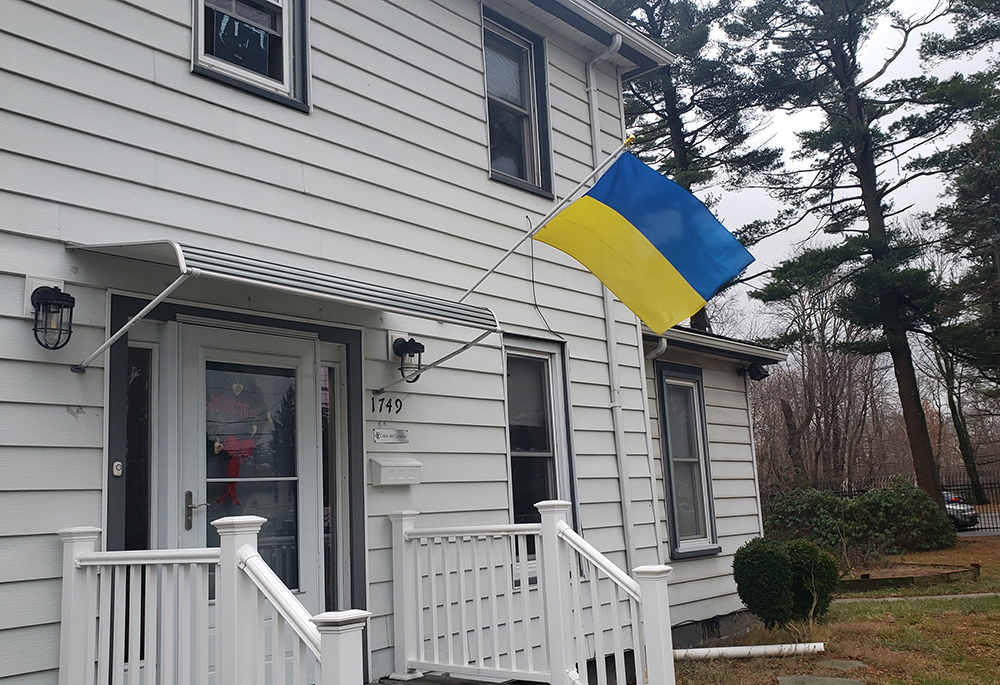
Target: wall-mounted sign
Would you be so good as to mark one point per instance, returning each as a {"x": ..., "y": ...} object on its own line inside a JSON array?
[{"x": 391, "y": 435}]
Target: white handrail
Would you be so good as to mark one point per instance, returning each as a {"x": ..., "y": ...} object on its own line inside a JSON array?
[
  {"x": 150, "y": 556},
  {"x": 473, "y": 531},
  {"x": 280, "y": 596},
  {"x": 591, "y": 553}
]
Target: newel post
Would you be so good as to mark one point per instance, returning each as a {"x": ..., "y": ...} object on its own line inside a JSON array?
[
  {"x": 655, "y": 614},
  {"x": 341, "y": 648},
  {"x": 76, "y": 656},
  {"x": 236, "y": 602},
  {"x": 554, "y": 574},
  {"x": 405, "y": 613}
]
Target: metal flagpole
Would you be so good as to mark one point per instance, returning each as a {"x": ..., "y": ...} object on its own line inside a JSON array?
[{"x": 548, "y": 217}]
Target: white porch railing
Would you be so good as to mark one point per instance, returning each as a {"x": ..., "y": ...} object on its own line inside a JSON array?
[
  {"x": 196, "y": 616},
  {"x": 530, "y": 602}
]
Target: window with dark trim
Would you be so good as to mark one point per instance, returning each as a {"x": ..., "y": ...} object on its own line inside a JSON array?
[
  {"x": 686, "y": 469},
  {"x": 516, "y": 105},
  {"x": 255, "y": 45}
]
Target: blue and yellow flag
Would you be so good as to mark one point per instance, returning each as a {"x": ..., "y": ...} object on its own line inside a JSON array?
[{"x": 652, "y": 243}]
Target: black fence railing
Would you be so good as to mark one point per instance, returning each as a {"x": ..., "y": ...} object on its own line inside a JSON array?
[
  {"x": 957, "y": 483},
  {"x": 986, "y": 500}
]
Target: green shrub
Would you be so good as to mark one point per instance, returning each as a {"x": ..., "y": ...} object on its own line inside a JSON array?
[
  {"x": 898, "y": 518},
  {"x": 814, "y": 577},
  {"x": 816, "y": 515},
  {"x": 906, "y": 516},
  {"x": 763, "y": 573}
]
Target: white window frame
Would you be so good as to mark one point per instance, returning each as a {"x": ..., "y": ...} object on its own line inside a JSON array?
[
  {"x": 291, "y": 34},
  {"x": 689, "y": 377},
  {"x": 552, "y": 356}
]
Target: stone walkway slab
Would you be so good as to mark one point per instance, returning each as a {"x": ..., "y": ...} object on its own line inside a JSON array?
[
  {"x": 815, "y": 680},
  {"x": 841, "y": 664}
]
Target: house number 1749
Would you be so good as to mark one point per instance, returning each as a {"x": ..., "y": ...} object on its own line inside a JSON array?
[{"x": 387, "y": 405}]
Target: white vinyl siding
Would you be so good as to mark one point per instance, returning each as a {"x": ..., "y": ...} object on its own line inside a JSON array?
[{"x": 110, "y": 138}]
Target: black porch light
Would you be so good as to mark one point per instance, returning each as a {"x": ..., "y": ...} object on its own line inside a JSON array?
[
  {"x": 53, "y": 317},
  {"x": 410, "y": 353}
]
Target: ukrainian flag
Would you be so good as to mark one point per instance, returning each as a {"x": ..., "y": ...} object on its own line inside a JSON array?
[{"x": 652, "y": 243}]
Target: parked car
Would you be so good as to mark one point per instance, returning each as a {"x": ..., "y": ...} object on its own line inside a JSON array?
[{"x": 961, "y": 514}]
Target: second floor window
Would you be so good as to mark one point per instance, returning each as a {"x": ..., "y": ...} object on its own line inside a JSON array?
[
  {"x": 516, "y": 109},
  {"x": 257, "y": 45}
]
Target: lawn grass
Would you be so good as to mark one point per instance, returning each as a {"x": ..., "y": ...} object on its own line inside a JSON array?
[{"x": 952, "y": 641}]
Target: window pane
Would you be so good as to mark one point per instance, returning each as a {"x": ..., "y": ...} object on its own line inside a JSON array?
[
  {"x": 688, "y": 506},
  {"x": 686, "y": 464},
  {"x": 137, "y": 448},
  {"x": 249, "y": 421},
  {"x": 527, "y": 405},
  {"x": 275, "y": 501},
  {"x": 533, "y": 482},
  {"x": 508, "y": 140},
  {"x": 506, "y": 70},
  {"x": 681, "y": 428},
  {"x": 241, "y": 43}
]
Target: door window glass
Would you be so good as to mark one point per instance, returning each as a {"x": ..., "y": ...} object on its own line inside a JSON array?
[{"x": 250, "y": 422}]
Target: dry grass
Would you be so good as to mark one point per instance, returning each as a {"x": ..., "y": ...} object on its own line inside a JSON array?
[{"x": 952, "y": 641}]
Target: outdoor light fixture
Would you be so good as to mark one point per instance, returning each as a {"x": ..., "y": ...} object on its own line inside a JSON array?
[
  {"x": 53, "y": 317},
  {"x": 755, "y": 371},
  {"x": 410, "y": 353}
]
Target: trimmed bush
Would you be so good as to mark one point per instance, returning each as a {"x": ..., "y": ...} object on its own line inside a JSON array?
[
  {"x": 763, "y": 573},
  {"x": 814, "y": 577},
  {"x": 898, "y": 518},
  {"x": 907, "y": 517}
]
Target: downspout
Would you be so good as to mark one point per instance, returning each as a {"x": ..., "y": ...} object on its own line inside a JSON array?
[{"x": 609, "y": 317}]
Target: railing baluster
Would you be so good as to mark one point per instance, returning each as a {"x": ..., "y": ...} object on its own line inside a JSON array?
[
  {"x": 494, "y": 609},
  {"x": 279, "y": 654},
  {"x": 93, "y": 601},
  {"x": 432, "y": 580},
  {"x": 168, "y": 640},
  {"x": 419, "y": 608},
  {"x": 105, "y": 627},
  {"x": 261, "y": 637},
  {"x": 523, "y": 575},
  {"x": 184, "y": 627},
  {"x": 508, "y": 578},
  {"x": 151, "y": 596},
  {"x": 463, "y": 620},
  {"x": 616, "y": 632},
  {"x": 134, "y": 621},
  {"x": 201, "y": 632},
  {"x": 448, "y": 621},
  {"x": 118, "y": 573},
  {"x": 478, "y": 584}
]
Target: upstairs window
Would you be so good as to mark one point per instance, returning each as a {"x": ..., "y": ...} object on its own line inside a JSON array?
[
  {"x": 256, "y": 45},
  {"x": 684, "y": 449},
  {"x": 516, "y": 108}
]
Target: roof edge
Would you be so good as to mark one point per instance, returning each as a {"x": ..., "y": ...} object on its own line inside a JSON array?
[
  {"x": 645, "y": 53},
  {"x": 718, "y": 345}
]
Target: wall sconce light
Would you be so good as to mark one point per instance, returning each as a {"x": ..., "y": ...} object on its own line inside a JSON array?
[
  {"x": 755, "y": 371},
  {"x": 411, "y": 357},
  {"x": 53, "y": 317}
]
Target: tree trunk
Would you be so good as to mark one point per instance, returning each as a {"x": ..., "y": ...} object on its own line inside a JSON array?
[
  {"x": 794, "y": 442},
  {"x": 946, "y": 367}
]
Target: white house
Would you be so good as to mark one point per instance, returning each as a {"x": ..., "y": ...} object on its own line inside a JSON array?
[{"x": 302, "y": 190}]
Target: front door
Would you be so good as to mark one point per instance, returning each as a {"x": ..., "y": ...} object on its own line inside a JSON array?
[{"x": 250, "y": 431}]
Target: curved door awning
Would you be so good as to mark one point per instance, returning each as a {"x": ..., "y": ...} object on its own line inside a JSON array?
[{"x": 199, "y": 262}]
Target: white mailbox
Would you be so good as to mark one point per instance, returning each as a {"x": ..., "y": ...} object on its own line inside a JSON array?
[{"x": 395, "y": 471}]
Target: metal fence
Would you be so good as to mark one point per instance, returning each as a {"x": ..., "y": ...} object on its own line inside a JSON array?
[{"x": 987, "y": 502}]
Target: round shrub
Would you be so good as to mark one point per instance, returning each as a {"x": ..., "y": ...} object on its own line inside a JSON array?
[
  {"x": 907, "y": 517},
  {"x": 763, "y": 573},
  {"x": 814, "y": 577}
]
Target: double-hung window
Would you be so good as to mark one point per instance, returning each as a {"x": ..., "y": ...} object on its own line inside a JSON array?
[
  {"x": 256, "y": 45},
  {"x": 684, "y": 450},
  {"x": 516, "y": 107},
  {"x": 536, "y": 422}
]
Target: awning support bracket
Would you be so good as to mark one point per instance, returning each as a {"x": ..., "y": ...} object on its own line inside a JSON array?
[
  {"x": 82, "y": 366},
  {"x": 442, "y": 360}
]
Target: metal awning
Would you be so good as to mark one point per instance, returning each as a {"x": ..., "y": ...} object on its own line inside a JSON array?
[{"x": 202, "y": 262}]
